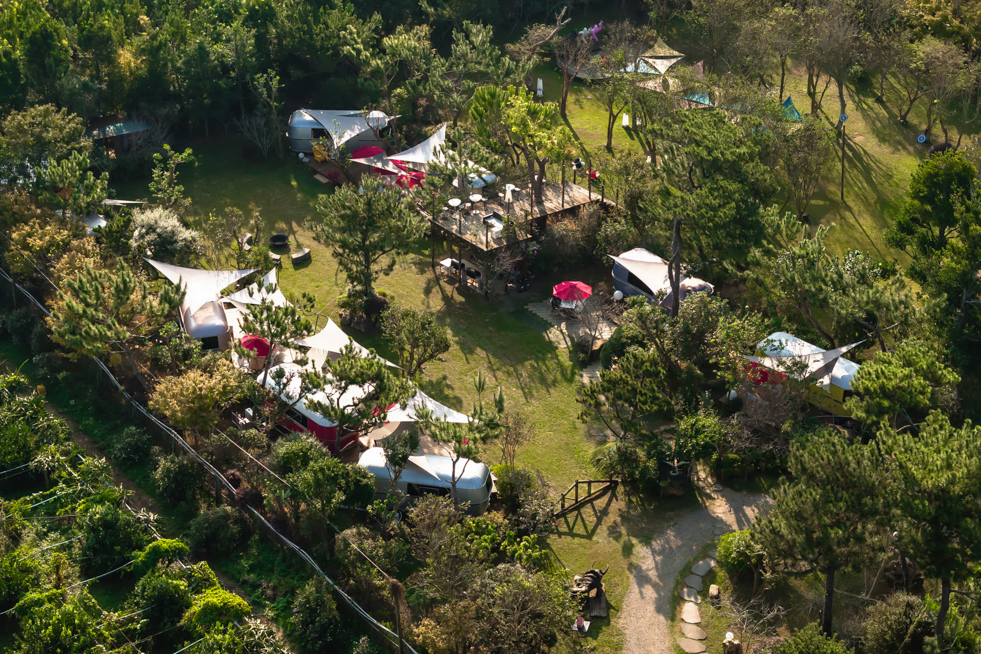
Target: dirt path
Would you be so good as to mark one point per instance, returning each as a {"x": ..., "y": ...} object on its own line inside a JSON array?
[{"x": 646, "y": 615}]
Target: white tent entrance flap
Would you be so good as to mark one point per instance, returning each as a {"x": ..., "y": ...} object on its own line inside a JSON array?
[{"x": 332, "y": 340}]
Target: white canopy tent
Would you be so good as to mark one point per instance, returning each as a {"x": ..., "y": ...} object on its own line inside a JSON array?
[
  {"x": 331, "y": 340},
  {"x": 796, "y": 357},
  {"x": 202, "y": 315},
  {"x": 421, "y": 400},
  {"x": 252, "y": 294}
]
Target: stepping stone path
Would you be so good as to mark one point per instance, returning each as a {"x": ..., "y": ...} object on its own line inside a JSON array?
[
  {"x": 691, "y": 646},
  {"x": 690, "y": 613},
  {"x": 702, "y": 567},
  {"x": 693, "y": 632}
]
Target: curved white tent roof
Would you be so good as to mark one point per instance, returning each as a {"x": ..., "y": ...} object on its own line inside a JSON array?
[
  {"x": 326, "y": 395},
  {"x": 421, "y": 400},
  {"x": 200, "y": 285},
  {"x": 252, "y": 295},
  {"x": 647, "y": 267},
  {"x": 787, "y": 352},
  {"x": 424, "y": 468},
  {"x": 332, "y": 340}
]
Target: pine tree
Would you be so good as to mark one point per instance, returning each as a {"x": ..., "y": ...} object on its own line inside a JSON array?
[
  {"x": 278, "y": 324},
  {"x": 825, "y": 516},
  {"x": 110, "y": 312},
  {"x": 416, "y": 336},
  {"x": 936, "y": 476}
]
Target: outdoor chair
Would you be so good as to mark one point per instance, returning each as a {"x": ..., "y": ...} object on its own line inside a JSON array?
[
  {"x": 276, "y": 259},
  {"x": 302, "y": 255},
  {"x": 247, "y": 242}
]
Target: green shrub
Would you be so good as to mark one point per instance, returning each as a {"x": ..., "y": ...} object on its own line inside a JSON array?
[
  {"x": 163, "y": 597},
  {"x": 176, "y": 478},
  {"x": 316, "y": 625},
  {"x": 165, "y": 550},
  {"x": 740, "y": 552},
  {"x": 613, "y": 349},
  {"x": 215, "y": 532},
  {"x": 897, "y": 625},
  {"x": 20, "y": 325},
  {"x": 511, "y": 482},
  {"x": 215, "y": 607},
  {"x": 810, "y": 640},
  {"x": 130, "y": 447},
  {"x": 633, "y": 465},
  {"x": 111, "y": 537}
]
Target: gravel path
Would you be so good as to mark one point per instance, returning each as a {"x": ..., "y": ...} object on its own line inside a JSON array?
[{"x": 646, "y": 615}]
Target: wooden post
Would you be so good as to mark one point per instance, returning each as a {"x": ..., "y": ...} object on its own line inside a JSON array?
[
  {"x": 577, "y": 492},
  {"x": 589, "y": 185},
  {"x": 563, "y": 187},
  {"x": 432, "y": 245},
  {"x": 843, "y": 162},
  {"x": 603, "y": 191}
]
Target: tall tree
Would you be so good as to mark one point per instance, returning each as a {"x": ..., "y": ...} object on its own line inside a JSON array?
[
  {"x": 804, "y": 151},
  {"x": 364, "y": 226},
  {"x": 825, "y": 516},
  {"x": 416, "y": 336},
  {"x": 461, "y": 441},
  {"x": 358, "y": 392},
  {"x": 164, "y": 187},
  {"x": 279, "y": 324},
  {"x": 908, "y": 382},
  {"x": 111, "y": 312},
  {"x": 36, "y": 137},
  {"x": 572, "y": 54},
  {"x": 936, "y": 477},
  {"x": 940, "y": 228}
]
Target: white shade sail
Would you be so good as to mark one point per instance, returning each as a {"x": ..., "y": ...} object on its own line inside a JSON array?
[
  {"x": 332, "y": 340},
  {"x": 429, "y": 150},
  {"x": 421, "y": 400},
  {"x": 381, "y": 162},
  {"x": 344, "y": 125},
  {"x": 788, "y": 354},
  {"x": 201, "y": 285},
  {"x": 647, "y": 267},
  {"x": 252, "y": 295}
]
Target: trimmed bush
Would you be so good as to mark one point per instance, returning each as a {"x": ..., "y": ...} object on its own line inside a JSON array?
[
  {"x": 316, "y": 625},
  {"x": 739, "y": 552},
  {"x": 214, "y": 532},
  {"x": 176, "y": 478},
  {"x": 130, "y": 447},
  {"x": 810, "y": 640},
  {"x": 20, "y": 325},
  {"x": 897, "y": 625}
]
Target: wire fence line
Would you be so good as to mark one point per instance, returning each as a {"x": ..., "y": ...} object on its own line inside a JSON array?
[{"x": 221, "y": 481}]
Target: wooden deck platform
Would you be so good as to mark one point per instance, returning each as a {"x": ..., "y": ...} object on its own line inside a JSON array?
[{"x": 471, "y": 227}]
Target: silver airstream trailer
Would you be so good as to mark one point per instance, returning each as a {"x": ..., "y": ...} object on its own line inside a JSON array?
[
  {"x": 350, "y": 129},
  {"x": 430, "y": 474},
  {"x": 207, "y": 324}
]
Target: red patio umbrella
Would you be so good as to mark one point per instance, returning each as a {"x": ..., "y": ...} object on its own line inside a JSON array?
[
  {"x": 572, "y": 291},
  {"x": 257, "y": 344}
]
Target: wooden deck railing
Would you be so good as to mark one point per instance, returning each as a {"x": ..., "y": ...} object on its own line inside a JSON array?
[{"x": 578, "y": 500}]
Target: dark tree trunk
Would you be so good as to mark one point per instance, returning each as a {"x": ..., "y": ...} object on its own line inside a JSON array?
[
  {"x": 783, "y": 75},
  {"x": 829, "y": 598},
  {"x": 942, "y": 613},
  {"x": 674, "y": 268}
]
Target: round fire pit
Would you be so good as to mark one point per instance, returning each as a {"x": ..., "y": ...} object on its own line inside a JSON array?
[{"x": 279, "y": 240}]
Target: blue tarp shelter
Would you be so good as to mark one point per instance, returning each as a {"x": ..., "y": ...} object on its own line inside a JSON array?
[{"x": 790, "y": 111}]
